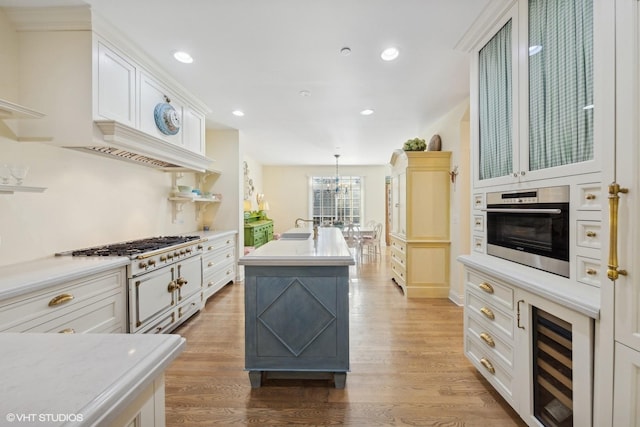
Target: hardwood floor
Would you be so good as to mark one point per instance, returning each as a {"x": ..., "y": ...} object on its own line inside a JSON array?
[{"x": 407, "y": 368}]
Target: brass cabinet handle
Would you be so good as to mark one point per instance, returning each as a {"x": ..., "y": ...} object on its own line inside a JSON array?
[
  {"x": 487, "y": 338},
  {"x": 67, "y": 331},
  {"x": 612, "y": 272},
  {"x": 488, "y": 365},
  {"x": 488, "y": 313},
  {"x": 591, "y": 272},
  {"x": 172, "y": 286},
  {"x": 590, "y": 196},
  {"x": 210, "y": 264},
  {"x": 591, "y": 234},
  {"x": 486, "y": 287},
  {"x": 181, "y": 281},
  {"x": 60, "y": 299}
]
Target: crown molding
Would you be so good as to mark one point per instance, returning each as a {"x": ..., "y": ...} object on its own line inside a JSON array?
[{"x": 484, "y": 23}]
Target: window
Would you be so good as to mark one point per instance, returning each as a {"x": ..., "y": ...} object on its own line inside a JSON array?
[{"x": 336, "y": 204}]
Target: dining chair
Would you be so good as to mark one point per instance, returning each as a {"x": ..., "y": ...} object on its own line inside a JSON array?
[
  {"x": 370, "y": 245},
  {"x": 354, "y": 239}
]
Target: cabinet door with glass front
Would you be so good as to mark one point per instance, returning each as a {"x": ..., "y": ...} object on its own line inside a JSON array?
[{"x": 534, "y": 94}]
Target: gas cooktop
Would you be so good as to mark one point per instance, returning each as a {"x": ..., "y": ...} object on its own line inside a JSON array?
[{"x": 133, "y": 247}]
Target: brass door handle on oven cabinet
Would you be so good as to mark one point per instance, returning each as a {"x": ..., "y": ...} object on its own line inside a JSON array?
[
  {"x": 172, "y": 286},
  {"x": 181, "y": 281},
  {"x": 613, "y": 272}
]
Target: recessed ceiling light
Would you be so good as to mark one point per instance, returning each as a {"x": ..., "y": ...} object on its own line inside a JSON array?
[
  {"x": 389, "y": 54},
  {"x": 534, "y": 49},
  {"x": 366, "y": 112},
  {"x": 183, "y": 57},
  {"x": 304, "y": 93},
  {"x": 345, "y": 51},
  {"x": 238, "y": 113}
]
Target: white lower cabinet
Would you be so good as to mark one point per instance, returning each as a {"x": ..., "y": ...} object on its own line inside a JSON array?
[
  {"x": 146, "y": 410},
  {"x": 218, "y": 264},
  {"x": 626, "y": 387},
  {"x": 536, "y": 353},
  {"x": 96, "y": 303}
]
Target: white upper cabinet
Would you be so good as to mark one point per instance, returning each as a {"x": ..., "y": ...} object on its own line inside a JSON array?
[
  {"x": 533, "y": 94},
  {"x": 100, "y": 93},
  {"x": 115, "y": 91}
]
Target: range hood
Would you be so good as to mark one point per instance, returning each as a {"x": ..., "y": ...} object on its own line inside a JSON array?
[{"x": 123, "y": 142}]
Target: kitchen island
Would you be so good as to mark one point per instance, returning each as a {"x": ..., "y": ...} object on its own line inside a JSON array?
[
  {"x": 85, "y": 380},
  {"x": 297, "y": 306}
]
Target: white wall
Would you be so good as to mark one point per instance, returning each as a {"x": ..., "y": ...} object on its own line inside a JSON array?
[
  {"x": 454, "y": 132},
  {"x": 287, "y": 190}
]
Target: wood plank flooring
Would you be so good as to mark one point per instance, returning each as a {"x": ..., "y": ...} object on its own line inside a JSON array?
[{"x": 407, "y": 368}]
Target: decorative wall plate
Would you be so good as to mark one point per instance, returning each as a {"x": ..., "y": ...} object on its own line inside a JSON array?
[{"x": 167, "y": 118}]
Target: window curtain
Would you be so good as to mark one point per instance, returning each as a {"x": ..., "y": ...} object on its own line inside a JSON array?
[
  {"x": 495, "y": 109},
  {"x": 560, "y": 82}
]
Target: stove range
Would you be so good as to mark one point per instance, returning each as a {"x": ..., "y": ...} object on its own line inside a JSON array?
[{"x": 134, "y": 248}]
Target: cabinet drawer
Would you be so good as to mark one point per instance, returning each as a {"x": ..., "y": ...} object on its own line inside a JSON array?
[
  {"x": 492, "y": 343},
  {"x": 588, "y": 234},
  {"x": 490, "y": 289},
  {"x": 189, "y": 307},
  {"x": 478, "y": 244},
  {"x": 478, "y": 201},
  {"x": 221, "y": 257},
  {"x": 399, "y": 273},
  {"x": 100, "y": 317},
  {"x": 590, "y": 197},
  {"x": 216, "y": 281},
  {"x": 218, "y": 243},
  {"x": 478, "y": 223},
  {"x": 161, "y": 325},
  {"x": 399, "y": 245},
  {"x": 500, "y": 377},
  {"x": 493, "y": 318},
  {"x": 60, "y": 300},
  {"x": 588, "y": 271},
  {"x": 398, "y": 257}
]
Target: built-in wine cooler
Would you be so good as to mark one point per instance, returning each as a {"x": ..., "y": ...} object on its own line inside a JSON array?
[{"x": 552, "y": 370}]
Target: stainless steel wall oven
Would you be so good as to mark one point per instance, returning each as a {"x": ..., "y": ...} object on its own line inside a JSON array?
[{"x": 530, "y": 227}]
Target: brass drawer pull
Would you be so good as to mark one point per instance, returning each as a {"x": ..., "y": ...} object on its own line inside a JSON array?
[
  {"x": 67, "y": 331},
  {"x": 590, "y": 196},
  {"x": 486, "y": 287},
  {"x": 488, "y": 365},
  {"x": 210, "y": 264},
  {"x": 591, "y": 272},
  {"x": 487, "y": 338},
  {"x": 60, "y": 299},
  {"x": 488, "y": 313},
  {"x": 591, "y": 234}
]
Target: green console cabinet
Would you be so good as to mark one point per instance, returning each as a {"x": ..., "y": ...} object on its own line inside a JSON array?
[{"x": 258, "y": 230}]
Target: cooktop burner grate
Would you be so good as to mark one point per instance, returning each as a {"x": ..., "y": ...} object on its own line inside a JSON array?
[{"x": 134, "y": 247}]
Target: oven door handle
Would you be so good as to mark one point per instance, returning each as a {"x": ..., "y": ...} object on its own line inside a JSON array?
[{"x": 522, "y": 211}]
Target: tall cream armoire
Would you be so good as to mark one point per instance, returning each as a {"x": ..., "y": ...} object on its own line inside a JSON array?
[{"x": 420, "y": 243}]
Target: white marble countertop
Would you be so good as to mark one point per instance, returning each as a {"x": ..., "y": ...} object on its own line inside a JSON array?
[
  {"x": 89, "y": 376},
  {"x": 329, "y": 249},
  {"x": 581, "y": 298},
  {"x": 41, "y": 273}
]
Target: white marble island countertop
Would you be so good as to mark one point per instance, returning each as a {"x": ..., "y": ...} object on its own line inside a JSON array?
[
  {"x": 88, "y": 378},
  {"x": 294, "y": 249}
]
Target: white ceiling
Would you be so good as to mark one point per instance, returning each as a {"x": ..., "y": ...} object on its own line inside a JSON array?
[{"x": 257, "y": 55}]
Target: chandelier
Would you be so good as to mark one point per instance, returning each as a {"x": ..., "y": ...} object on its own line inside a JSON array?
[{"x": 340, "y": 189}]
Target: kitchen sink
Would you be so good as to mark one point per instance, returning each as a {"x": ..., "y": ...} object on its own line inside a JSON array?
[{"x": 302, "y": 235}]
